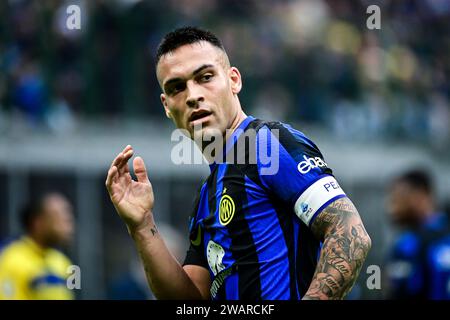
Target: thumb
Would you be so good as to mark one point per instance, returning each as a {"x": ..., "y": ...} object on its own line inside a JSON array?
[{"x": 139, "y": 170}]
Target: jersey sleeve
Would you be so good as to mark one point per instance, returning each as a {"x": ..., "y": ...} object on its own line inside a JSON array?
[
  {"x": 194, "y": 257},
  {"x": 10, "y": 283},
  {"x": 195, "y": 254},
  {"x": 292, "y": 168}
]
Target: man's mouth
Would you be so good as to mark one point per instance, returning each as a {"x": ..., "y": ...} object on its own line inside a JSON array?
[{"x": 197, "y": 116}]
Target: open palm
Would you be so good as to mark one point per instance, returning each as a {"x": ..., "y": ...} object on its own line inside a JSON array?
[{"x": 133, "y": 200}]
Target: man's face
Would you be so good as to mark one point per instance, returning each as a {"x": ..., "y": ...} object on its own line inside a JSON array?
[
  {"x": 199, "y": 88},
  {"x": 58, "y": 220},
  {"x": 403, "y": 204}
]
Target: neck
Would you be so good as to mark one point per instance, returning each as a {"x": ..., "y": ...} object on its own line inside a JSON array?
[
  {"x": 235, "y": 124},
  {"x": 212, "y": 156},
  {"x": 38, "y": 241},
  {"x": 428, "y": 212}
]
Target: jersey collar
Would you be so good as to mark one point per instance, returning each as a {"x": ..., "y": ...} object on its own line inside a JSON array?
[
  {"x": 34, "y": 245},
  {"x": 234, "y": 137}
]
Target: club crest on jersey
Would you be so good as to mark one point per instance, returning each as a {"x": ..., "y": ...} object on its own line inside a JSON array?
[{"x": 226, "y": 210}]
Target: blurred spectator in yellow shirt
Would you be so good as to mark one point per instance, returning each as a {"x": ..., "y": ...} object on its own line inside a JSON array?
[{"x": 32, "y": 268}]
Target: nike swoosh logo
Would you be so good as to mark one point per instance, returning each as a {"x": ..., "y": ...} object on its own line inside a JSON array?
[{"x": 198, "y": 239}]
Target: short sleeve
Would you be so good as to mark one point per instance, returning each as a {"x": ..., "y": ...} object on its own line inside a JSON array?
[
  {"x": 195, "y": 254},
  {"x": 195, "y": 257},
  {"x": 14, "y": 274},
  {"x": 292, "y": 168}
]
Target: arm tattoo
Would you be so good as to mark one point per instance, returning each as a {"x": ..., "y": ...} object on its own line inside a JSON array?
[
  {"x": 154, "y": 230},
  {"x": 345, "y": 247}
]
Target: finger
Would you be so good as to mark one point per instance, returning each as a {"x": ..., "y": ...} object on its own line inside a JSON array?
[
  {"x": 111, "y": 177},
  {"x": 139, "y": 170},
  {"x": 119, "y": 158},
  {"x": 123, "y": 165},
  {"x": 126, "y": 153},
  {"x": 128, "y": 147}
]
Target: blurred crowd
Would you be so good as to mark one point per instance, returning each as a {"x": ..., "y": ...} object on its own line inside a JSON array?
[
  {"x": 311, "y": 62},
  {"x": 314, "y": 62}
]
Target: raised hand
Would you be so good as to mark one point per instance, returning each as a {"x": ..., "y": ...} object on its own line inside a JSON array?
[{"x": 133, "y": 200}]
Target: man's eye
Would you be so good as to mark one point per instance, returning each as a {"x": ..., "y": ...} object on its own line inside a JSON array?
[
  {"x": 206, "y": 77},
  {"x": 178, "y": 88}
]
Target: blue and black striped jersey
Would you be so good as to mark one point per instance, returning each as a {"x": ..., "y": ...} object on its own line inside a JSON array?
[
  {"x": 419, "y": 262},
  {"x": 250, "y": 224}
]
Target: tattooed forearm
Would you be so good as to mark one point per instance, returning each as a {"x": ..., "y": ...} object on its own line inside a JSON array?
[
  {"x": 154, "y": 230},
  {"x": 345, "y": 247}
]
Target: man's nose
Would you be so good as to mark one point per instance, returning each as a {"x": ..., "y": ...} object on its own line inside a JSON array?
[{"x": 194, "y": 95}]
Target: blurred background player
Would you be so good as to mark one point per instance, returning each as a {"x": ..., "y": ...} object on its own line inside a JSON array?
[
  {"x": 32, "y": 267},
  {"x": 419, "y": 262}
]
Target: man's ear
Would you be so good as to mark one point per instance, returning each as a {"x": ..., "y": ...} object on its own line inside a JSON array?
[
  {"x": 236, "y": 80},
  {"x": 164, "y": 103}
]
